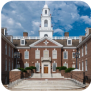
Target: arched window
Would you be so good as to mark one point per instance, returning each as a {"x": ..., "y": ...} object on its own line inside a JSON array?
[{"x": 46, "y": 23}]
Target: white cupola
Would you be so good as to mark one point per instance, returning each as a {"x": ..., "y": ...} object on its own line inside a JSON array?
[{"x": 46, "y": 27}]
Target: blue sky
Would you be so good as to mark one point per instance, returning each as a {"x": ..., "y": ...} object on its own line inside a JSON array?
[{"x": 67, "y": 16}]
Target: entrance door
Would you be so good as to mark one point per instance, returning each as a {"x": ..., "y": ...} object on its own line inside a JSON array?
[{"x": 45, "y": 69}]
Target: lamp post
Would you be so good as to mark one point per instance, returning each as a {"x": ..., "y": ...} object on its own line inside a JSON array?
[
  {"x": 16, "y": 55},
  {"x": 76, "y": 56}
]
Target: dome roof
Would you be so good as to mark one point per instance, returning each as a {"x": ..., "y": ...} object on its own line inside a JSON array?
[{"x": 45, "y": 6}]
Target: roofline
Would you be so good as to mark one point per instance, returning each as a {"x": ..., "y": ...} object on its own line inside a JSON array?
[
  {"x": 87, "y": 38},
  {"x": 8, "y": 41},
  {"x": 69, "y": 47}
]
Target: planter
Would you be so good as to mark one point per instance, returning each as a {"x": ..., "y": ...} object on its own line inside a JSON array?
[{"x": 62, "y": 72}]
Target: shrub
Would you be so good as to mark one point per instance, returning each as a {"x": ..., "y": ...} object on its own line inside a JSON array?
[
  {"x": 57, "y": 67},
  {"x": 62, "y": 68},
  {"x": 69, "y": 70},
  {"x": 32, "y": 67},
  {"x": 22, "y": 69},
  {"x": 28, "y": 68}
]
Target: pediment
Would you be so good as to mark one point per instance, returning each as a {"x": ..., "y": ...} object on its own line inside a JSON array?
[{"x": 46, "y": 42}]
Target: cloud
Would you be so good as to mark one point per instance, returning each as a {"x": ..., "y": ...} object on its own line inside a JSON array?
[
  {"x": 59, "y": 31},
  {"x": 86, "y": 19}
]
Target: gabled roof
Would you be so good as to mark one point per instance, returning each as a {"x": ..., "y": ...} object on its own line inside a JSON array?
[{"x": 49, "y": 39}]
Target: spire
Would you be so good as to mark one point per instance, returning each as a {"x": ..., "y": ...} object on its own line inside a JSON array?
[{"x": 45, "y": 6}]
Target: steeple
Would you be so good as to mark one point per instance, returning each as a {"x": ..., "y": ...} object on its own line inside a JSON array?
[{"x": 46, "y": 27}]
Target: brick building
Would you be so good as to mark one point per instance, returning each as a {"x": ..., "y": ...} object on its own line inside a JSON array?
[{"x": 45, "y": 52}]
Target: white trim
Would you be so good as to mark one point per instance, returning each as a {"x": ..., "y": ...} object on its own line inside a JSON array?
[
  {"x": 69, "y": 47},
  {"x": 39, "y": 67},
  {"x": 45, "y": 47},
  {"x": 52, "y": 67},
  {"x": 86, "y": 67},
  {"x": 24, "y": 54},
  {"x": 45, "y": 50},
  {"x": 21, "y": 42},
  {"x": 67, "y": 42},
  {"x": 85, "y": 49},
  {"x": 63, "y": 54},
  {"x": 23, "y": 47},
  {"x": 58, "y": 44},
  {"x": 65, "y": 63}
]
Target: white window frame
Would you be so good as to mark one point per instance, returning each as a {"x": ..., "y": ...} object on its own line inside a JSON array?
[
  {"x": 24, "y": 54},
  {"x": 25, "y": 65},
  {"x": 9, "y": 64},
  {"x": 82, "y": 51},
  {"x": 52, "y": 67},
  {"x": 12, "y": 52},
  {"x": 5, "y": 49},
  {"x": 36, "y": 54},
  {"x": 6, "y": 64},
  {"x": 39, "y": 67},
  {"x": 73, "y": 65},
  {"x": 67, "y": 55},
  {"x": 12, "y": 64},
  {"x": 67, "y": 42},
  {"x": 21, "y": 42},
  {"x": 64, "y": 65},
  {"x": 82, "y": 66},
  {"x": 86, "y": 49},
  {"x": 44, "y": 51},
  {"x": 86, "y": 64},
  {"x": 79, "y": 66},
  {"x": 79, "y": 52},
  {"x": 53, "y": 54},
  {"x": 72, "y": 55}
]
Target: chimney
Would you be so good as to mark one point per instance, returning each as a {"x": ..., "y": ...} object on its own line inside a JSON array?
[
  {"x": 66, "y": 34},
  {"x": 25, "y": 34},
  {"x": 4, "y": 31}
]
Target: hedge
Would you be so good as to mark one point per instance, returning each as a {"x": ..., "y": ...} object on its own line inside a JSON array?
[
  {"x": 63, "y": 68},
  {"x": 69, "y": 70}
]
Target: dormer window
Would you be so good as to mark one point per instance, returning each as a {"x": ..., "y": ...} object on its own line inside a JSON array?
[
  {"x": 45, "y": 11},
  {"x": 69, "y": 42},
  {"x": 22, "y": 41}
]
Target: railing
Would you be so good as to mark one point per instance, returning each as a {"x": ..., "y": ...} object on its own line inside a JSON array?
[
  {"x": 43, "y": 58},
  {"x": 37, "y": 37}
]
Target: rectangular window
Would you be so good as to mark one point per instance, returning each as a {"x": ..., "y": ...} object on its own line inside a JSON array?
[
  {"x": 9, "y": 65},
  {"x": 37, "y": 54},
  {"x": 82, "y": 66},
  {"x": 79, "y": 52},
  {"x": 79, "y": 65},
  {"x": 65, "y": 64},
  {"x": 12, "y": 52},
  {"x": 82, "y": 51},
  {"x": 26, "y": 54},
  {"x": 5, "y": 49},
  {"x": 46, "y": 54},
  {"x": 26, "y": 65},
  {"x": 37, "y": 65},
  {"x": 54, "y": 65},
  {"x": 54, "y": 54},
  {"x": 22, "y": 41},
  {"x": 73, "y": 65},
  {"x": 69, "y": 41},
  {"x": 6, "y": 64},
  {"x": 45, "y": 11},
  {"x": 86, "y": 49},
  {"x": 86, "y": 65},
  {"x": 65, "y": 55},
  {"x": 73, "y": 56}
]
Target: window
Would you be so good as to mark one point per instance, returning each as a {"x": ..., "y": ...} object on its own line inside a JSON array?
[
  {"x": 26, "y": 55},
  {"x": 73, "y": 56},
  {"x": 79, "y": 65},
  {"x": 79, "y": 52},
  {"x": 22, "y": 41},
  {"x": 73, "y": 65},
  {"x": 6, "y": 64},
  {"x": 54, "y": 65},
  {"x": 37, "y": 65},
  {"x": 26, "y": 65},
  {"x": 82, "y": 66},
  {"x": 54, "y": 54},
  {"x": 9, "y": 50},
  {"x": 46, "y": 53},
  {"x": 37, "y": 54},
  {"x": 45, "y": 11},
  {"x": 5, "y": 49},
  {"x": 12, "y": 65},
  {"x": 12, "y": 52},
  {"x": 46, "y": 23},
  {"x": 65, "y": 64},
  {"x": 86, "y": 49},
  {"x": 86, "y": 65},
  {"x": 69, "y": 41},
  {"x": 9, "y": 65},
  {"x": 82, "y": 51},
  {"x": 65, "y": 55}
]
